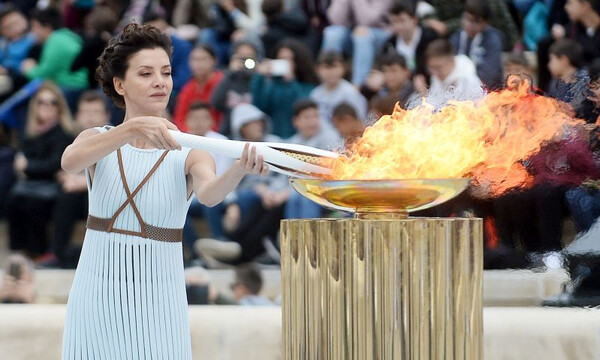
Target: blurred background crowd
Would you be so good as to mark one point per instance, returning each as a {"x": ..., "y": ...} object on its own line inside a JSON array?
[{"x": 311, "y": 72}]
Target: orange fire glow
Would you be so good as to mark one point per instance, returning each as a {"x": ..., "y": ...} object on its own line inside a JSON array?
[{"x": 485, "y": 141}]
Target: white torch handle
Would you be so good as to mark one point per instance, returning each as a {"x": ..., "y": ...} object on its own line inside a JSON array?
[{"x": 278, "y": 160}]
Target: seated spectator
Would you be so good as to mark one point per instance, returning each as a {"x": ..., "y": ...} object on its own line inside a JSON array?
[
  {"x": 276, "y": 85},
  {"x": 232, "y": 21},
  {"x": 334, "y": 89},
  {"x": 200, "y": 289},
  {"x": 60, "y": 47},
  {"x": 180, "y": 59},
  {"x": 15, "y": 43},
  {"x": 204, "y": 81},
  {"x": 258, "y": 207},
  {"x": 347, "y": 123},
  {"x": 99, "y": 27},
  {"x": 569, "y": 82},
  {"x": 583, "y": 27},
  {"x": 408, "y": 39},
  {"x": 358, "y": 25},
  {"x": 7, "y": 174},
  {"x": 247, "y": 285},
  {"x": 31, "y": 200},
  {"x": 199, "y": 121},
  {"x": 282, "y": 24},
  {"x": 72, "y": 202},
  {"x": 391, "y": 80},
  {"x": 234, "y": 89},
  {"x": 480, "y": 42},
  {"x": 448, "y": 14},
  {"x": 17, "y": 285},
  {"x": 516, "y": 63},
  {"x": 310, "y": 132},
  {"x": 452, "y": 76}
]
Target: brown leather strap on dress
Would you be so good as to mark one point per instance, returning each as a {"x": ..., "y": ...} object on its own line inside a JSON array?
[
  {"x": 145, "y": 229},
  {"x": 152, "y": 232}
]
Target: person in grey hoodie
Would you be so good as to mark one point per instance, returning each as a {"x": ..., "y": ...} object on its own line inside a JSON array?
[{"x": 361, "y": 26}]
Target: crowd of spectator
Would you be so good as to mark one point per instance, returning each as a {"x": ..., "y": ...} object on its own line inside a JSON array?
[{"x": 311, "y": 72}]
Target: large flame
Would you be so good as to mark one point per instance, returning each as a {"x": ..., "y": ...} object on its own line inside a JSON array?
[{"x": 486, "y": 140}]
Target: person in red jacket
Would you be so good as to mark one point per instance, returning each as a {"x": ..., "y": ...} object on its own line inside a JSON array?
[{"x": 204, "y": 81}]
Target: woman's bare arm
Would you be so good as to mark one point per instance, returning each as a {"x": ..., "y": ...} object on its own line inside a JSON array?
[
  {"x": 211, "y": 189},
  {"x": 91, "y": 146}
]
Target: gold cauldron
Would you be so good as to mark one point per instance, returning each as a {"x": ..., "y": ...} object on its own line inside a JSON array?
[{"x": 382, "y": 285}]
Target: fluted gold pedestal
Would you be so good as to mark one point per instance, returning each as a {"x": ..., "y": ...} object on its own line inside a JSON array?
[{"x": 398, "y": 289}]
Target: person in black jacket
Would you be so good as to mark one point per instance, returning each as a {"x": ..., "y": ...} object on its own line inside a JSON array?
[
  {"x": 99, "y": 26},
  {"x": 31, "y": 200}
]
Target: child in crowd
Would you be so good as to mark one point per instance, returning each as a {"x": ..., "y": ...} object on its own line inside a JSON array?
[
  {"x": 453, "y": 77},
  {"x": 334, "y": 89},
  {"x": 393, "y": 79},
  {"x": 347, "y": 123},
  {"x": 516, "y": 63},
  {"x": 255, "y": 211},
  {"x": 569, "y": 82},
  {"x": 199, "y": 121},
  {"x": 247, "y": 285},
  {"x": 205, "y": 79},
  {"x": 234, "y": 89},
  {"x": 480, "y": 42},
  {"x": 311, "y": 132},
  {"x": 72, "y": 203},
  {"x": 408, "y": 39}
]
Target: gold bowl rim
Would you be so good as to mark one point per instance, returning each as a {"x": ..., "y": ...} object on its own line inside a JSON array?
[{"x": 447, "y": 189}]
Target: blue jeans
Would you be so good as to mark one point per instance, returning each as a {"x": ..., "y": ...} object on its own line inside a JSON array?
[
  {"x": 363, "y": 48},
  {"x": 213, "y": 217},
  {"x": 299, "y": 207}
]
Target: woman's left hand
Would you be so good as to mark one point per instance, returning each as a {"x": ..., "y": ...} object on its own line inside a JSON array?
[{"x": 249, "y": 163}]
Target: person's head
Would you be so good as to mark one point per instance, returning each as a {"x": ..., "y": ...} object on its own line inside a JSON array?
[
  {"x": 440, "y": 58},
  {"x": 101, "y": 20},
  {"x": 272, "y": 8},
  {"x": 48, "y": 108},
  {"x": 199, "y": 119},
  {"x": 475, "y": 17},
  {"x": 248, "y": 281},
  {"x": 566, "y": 55},
  {"x": 157, "y": 17},
  {"x": 331, "y": 68},
  {"x": 516, "y": 63},
  {"x": 403, "y": 19},
  {"x": 395, "y": 71},
  {"x": 345, "y": 119},
  {"x": 248, "y": 123},
  {"x": 13, "y": 24},
  {"x": 92, "y": 110},
  {"x": 135, "y": 69},
  {"x": 300, "y": 58},
  {"x": 245, "y": 56},
  {"x": 44, "y": 22},
  {"x": 203, "y": 60},
  {"x": 579, "y": 9},
  {"x": 306, "y": 118}
]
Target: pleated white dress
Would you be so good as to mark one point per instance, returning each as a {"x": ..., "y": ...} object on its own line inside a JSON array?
[{"x": 128, "y": 299}]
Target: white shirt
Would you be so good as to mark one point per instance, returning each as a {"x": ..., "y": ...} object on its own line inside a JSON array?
[{"x": 409, "y": 51}]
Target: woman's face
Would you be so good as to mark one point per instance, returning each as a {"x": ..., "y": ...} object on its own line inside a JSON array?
[
  {"x": 147, "y": 83},
  {"x": 47, "y": 108},
  {"x": 201, "y": 63}
]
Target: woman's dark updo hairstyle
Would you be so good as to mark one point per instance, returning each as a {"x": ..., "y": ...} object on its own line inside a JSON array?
[{"x": 115, "y": 58}]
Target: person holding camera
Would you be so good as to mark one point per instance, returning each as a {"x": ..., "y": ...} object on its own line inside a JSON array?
[
  {"x": 278, "y": 83},
  {"x": 234, "y": 89}
]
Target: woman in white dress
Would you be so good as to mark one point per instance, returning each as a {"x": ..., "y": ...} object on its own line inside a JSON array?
[{"x": 128, "y": 298}]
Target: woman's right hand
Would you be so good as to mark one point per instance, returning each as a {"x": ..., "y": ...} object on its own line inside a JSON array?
[{"x": 155, "y": 131}]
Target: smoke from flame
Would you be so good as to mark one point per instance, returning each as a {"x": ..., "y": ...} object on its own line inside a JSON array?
[{"x": 485, "y": 140}]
